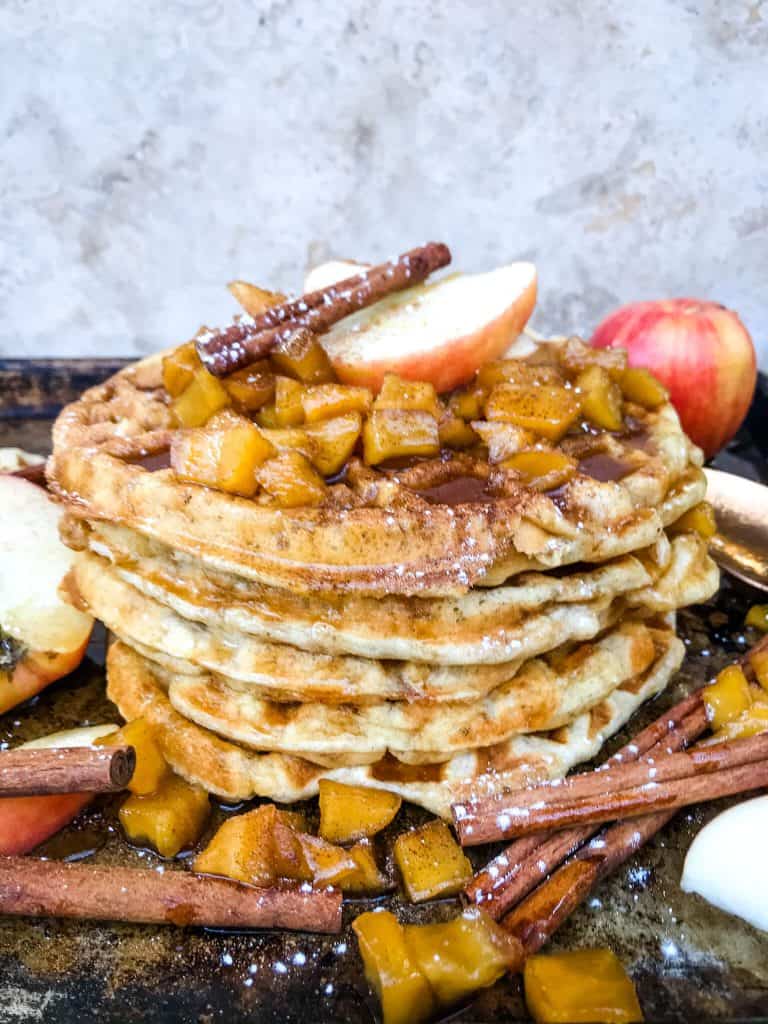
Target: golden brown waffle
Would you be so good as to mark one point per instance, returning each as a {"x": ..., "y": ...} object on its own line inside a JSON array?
[
  {"x": 378, "y": 532},
  {"x": 236, "y": 773}
]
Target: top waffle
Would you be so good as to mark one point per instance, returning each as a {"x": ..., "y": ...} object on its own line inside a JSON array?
[{"x": 524, "y": 478}]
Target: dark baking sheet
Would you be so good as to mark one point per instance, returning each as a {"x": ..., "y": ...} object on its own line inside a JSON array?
[{"x": 690, "y": 962}]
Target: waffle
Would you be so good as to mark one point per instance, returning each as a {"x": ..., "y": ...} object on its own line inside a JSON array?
[
  {"x": 236, "y": 773},
  {"x": 407, "y": 532}
]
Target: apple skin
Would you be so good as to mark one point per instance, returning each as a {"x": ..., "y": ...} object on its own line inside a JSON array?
[
  {"x": 36, "y": 671},
  {"x": 700, "y": 351}
]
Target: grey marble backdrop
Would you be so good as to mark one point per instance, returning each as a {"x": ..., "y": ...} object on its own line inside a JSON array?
[{"x": 152, "y": 150}]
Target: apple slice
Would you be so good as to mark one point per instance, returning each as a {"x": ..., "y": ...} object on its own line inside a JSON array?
[
  {"x": 440, "y": 332},
  {"x": 326, "y": 274},
  {"x": 27, "y": 821},
  {"x": 42, "y": 638}
]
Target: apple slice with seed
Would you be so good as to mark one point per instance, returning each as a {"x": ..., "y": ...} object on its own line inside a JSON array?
[{"x": 440, "y": 332}]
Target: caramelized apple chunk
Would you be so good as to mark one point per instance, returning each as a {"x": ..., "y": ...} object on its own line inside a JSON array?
[
  {"x": 749, "y": 723},
  {"x": 546, "y": 411},
  {"x": 431, "y": 862},
  {"x": 503, "y": 439},
  {"x": 289, "y": 411},
  {"x": 727, "y": 697},
  {"x": 699, "y": 519},
  {"x": 414, "y": 395},
  {"x": 325, "y": 863},
  {"x": 581, "y": 985},
  {"x": 252, "y": 387},
  {"x": 290, "y": 439},
  {"x": 404, "y": 993},
  {"x": 460, "y": 957},
  {"x": 575, "y": 356},
  {"x": 454, "y": 432},
  {"x": 468, "y": 405},
  {"x": 543, "y": 470},
  {"x": 243, "y": 848},
  {"x": 367, "y": 879},
  {"x": 326, "y": 401},
  {"x": 600, "y": 398},
  {"x": 641, "y": 387},
  {"x": 151, "y": 767},
  {"x": 202, "y": 398},
  {"x": 757, "y": 617},
  {"x": 170, "y": 819},
  {"x": 291, "y": 480},
  {"x": 253, "y": 299},
  {"x": 758, "y": 661},
  {"x": 348, "y": 813},
  {"x": 302, "y": 357},
  {"x": 179, "y": 368},
  {"x": 399, "y": 433},
  {"x": 515, "y": 371},
  {"x": 224, "y": 455},
  {"x": 332, "y": 442}
]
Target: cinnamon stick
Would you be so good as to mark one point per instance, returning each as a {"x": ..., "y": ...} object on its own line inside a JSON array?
[
  {"x": 651, "y": 784},
  {"x": 38, "y": 772},
  {"x": 523, "y": 865},
  {"x": 244, "y": 342},
  {"x": 37, "y": 888}
]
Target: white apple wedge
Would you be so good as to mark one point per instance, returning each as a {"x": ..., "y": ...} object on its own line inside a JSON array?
[
  {"x": 33, "y": 561},
  {"x": 326, "y": 274},
  {"x": 440, "y": 332}
]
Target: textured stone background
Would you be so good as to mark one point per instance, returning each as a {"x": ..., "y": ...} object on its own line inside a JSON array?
[{"x": 152, "y": 150}]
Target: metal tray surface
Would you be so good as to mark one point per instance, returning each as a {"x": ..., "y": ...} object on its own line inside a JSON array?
[{"x": 690, "y": 962}]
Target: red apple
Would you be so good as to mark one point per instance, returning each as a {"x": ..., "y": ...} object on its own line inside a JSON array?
[
  {"x": 700, "y": 351},
  {"x": 440, "y": 332},
  {"x": 27, "y": 821},
  {"x": 51, "y": 634}
]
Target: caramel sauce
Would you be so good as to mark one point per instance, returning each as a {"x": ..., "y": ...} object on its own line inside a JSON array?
[
  {"x": 605, "y": 468},
  {"x": 389, "y": 769},
  {"x": 463, "y": 490},
  {"x": 154, "y": 462}
]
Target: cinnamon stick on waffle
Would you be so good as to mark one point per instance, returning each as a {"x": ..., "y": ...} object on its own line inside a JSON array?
[
  {"x": 252, "y": 338},
  {"x": 38, "y": 888},
  {"x": 37, "y": 772}
]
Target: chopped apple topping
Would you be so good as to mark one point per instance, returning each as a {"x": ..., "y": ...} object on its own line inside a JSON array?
[
  {"x": 243, "y": 848},
  {"x": 151, "y": 767},
  {"x": 326, "y": 401},
  {"x": 403, "y": 991},
  {"x": 431, "y": 862},
  {"x": 576, "y": 356},
  {"x": 546, "y": 411},
  {"x": 367, "y": 879},
  {"x": 348, "y": 813},
  {"x": 581, "y": 985},
  {"x": 331, "y": 442},
  {"x": 225, "y": 454},
  {"x": 503, "y": 439},
  {"x": 758, "y": 661},
  {"x": 303, "y": 358},
  {"x": 204, "y": 396},
  {"x": 600, "y": 398},
  {"x": 757, "y": 616},
  {"x": 252, "y": 387},
  {"x": 699, "y": 519},
  {"x": 640, "y": 386},
  {"x": 727, "y": 697},
  {"x": 291, "y": 480},
  {"x": 179, "y": 368},
  {"x": 399, "y": 433},
  {"x": 397, "y": 393},
  {"x": 169, "y": 819},
  {"x": 454, "y": 432},
  {"x": 289, "y": 411},
  {"x": 544, "y": 470}
]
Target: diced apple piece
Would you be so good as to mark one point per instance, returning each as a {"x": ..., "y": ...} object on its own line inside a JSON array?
[
  {"x": 289, "y": 411},
  {"x": 334, "y": 441},
  {"x": 575, "y": 356},
  {"x": 543, "y": 470},
  {"x": 326, "y": 401},
  {"x": 546, "y": 411},
  {"x": 396, "y": 433},
  {"x": 758, "y": 661},
  {"x": 517, "y": 372},
  {"x": 640, "y": 386},
  {"x": 266, "y": 417},
  {"x": 303, "y": 358},
  {"x": 326, "y": 864},
  {"x": 170, "y": 819},
  {"x": 460, "y": 957},
  {"x": 290, "y": 439},
  {"x": 151, "y": 767},
  {"x": 600, "y": 398},
  {"x": 468, "y": 404},
  {"x": 225, "y": 454},
  {"x": 202, "y": 398},
  {"x": 454, "y": 432},
  {"x": 45, "y": 636},
  {"x": 757, "y": 616},
  {"x": 291, "y": 480},
  {"x": 503, "y": 439},
  {"x": 348, "y": 813},
  {"x": 699, "y": 519},
  {"x": 367, "y": 879},
  {"x": 331, "y": 272},
  {"x": 727, "y": 697},
  {"x": 243, "y": 848},
  {"x": 252, "y": 387},
  {"x": 749, "y": 723},
  {"x": 431, "y": 862},
  {"x": 179, "y": 368},
  {"x": 398, "y": 393},
  {"x": 580, "y": 985},
  {"x": 27, "y": 821},
  {"x": 439, "y": 332},
  {"x": 253, "y": 299},
  {"x": 403, "y": 991}
]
